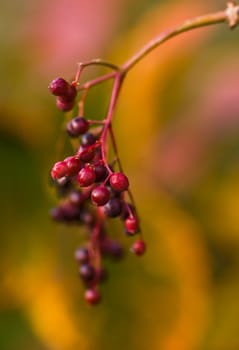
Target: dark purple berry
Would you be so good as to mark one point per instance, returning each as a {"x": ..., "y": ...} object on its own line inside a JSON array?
[
  {"x": 57, "y": 214},
  {"x": 119, "y": 182},
  {"x": 77, "y": 126},
  {"x": 92, "y": 296},
  {"x": 101, "y": 172},
  {"x": 100, "y": 195},
  {"x": 82, "y": 255},
  {"x": 59, "y": 87},
  {"x": 59, "y": 170},
  {"x": 65, "y": 212},
  {"x": 86, "y": 177},
  {"x": 87, "y": 272},
  {"x": 76, "y": 198},
  {"x": 112, "y": 248},
  {"x": 88, "y": 139},
  {"x": 138, "y": 247},
  {"x": 131, "y": 225},
  {"x": 113, "y": 207},
  {"x": 87, "y": 218}
]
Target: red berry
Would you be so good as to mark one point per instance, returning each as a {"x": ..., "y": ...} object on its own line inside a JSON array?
[
  {"x": 59, "y": 170},
  {"x": 70, "y": 94},
  {"x": 131, "y": 225},
  {"x": 86, "y": 154},
  {"x": 92, "y": 296},
  {"x": 139, "y": 247},
  {"x": 73, "y": 165},
  {"x": 86, "y": 177},
  {"x": 77, "y": 126},
  {"x": 119, "y": 182},
  {"x": 64, "y": 106},
  {"x": 59, "y": 87},
  {"x": 100, "y": 195}
]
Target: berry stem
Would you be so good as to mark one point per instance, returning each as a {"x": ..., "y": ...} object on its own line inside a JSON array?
[{"x": 230, "y": 15}]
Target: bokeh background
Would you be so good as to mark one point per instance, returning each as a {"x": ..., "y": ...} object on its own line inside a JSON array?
[{"x": 177, "y": 126}]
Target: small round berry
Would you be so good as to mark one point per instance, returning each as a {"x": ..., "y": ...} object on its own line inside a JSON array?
[
  {"x": 119, "y": 182},
  {"x": 73, "y": 165},
  {"x": 86, "y": 177},
  {"x": 77, "y": 126},
  {"x": 101, "y": 172},
  {"x": 138, "y": 247},
  {"x": 88, "y": 139},
  {"x": 64, "y": 106},
  {"x": 76, "y": 198},
  {"x": 59, "y": 170},
  {"x": 113, "y": 208},
  {"x": 131, "y": 225},
  {"x": 86, "y": 154},
  {"x": 65, "y": 212},
  {"x": 59, "y": 87},
  {"x": 82, "y": 255},
  {"x": 100, "y": 195},
  {"x": 57, "y": 214},
  {"x": 63, "y": 186},
  {"x": 92, "y": 296},
  {"x": 87, "y": 272},
  {"x": 112, "y": 248},
  {"x": 70, "y": 94},
  {"x": 87, "y": 218}
]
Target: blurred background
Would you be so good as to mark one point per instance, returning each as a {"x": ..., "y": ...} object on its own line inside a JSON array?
[{"x": 177, "y": 127}]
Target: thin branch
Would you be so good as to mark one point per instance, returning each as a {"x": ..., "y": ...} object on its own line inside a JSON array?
[{"x": 230, "y": 15}]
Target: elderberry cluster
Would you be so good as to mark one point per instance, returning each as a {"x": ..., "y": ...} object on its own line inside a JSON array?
[{"x": 91, "y": 192}]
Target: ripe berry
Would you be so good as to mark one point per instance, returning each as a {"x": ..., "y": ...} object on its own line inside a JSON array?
[
  {"x": 59, "y": 170},
  {"x": 92, "y": 296},
  {"x": 88, "y": 139},
  {"x": 100, "y": 195},
  {"x": 113, "y": 207},
  {"x": 87, "y": 272},
  {"x": 87, "y": 218},
  {"x": 82, "y": 255},
  {"x": 59, "y": 87},
  {"x": 65, "y": 212},
  {"x": 86, "y": 177},
  {"x": 119, "y": 182},
  {"x": 73, "y": 165},
  {"x": 112, "y": 248},
  {"x": 138, "y": 247},
  {"x": 77, "y": 126},
  {"x": 64, "y": 106},
  {"x": 86, "y": 154},
  {"x": 101, "y": 172},
  {"x": 69, "y": 95},
  {"x": 76, "y": 198},
  {"x": 131, "y": 225}
]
